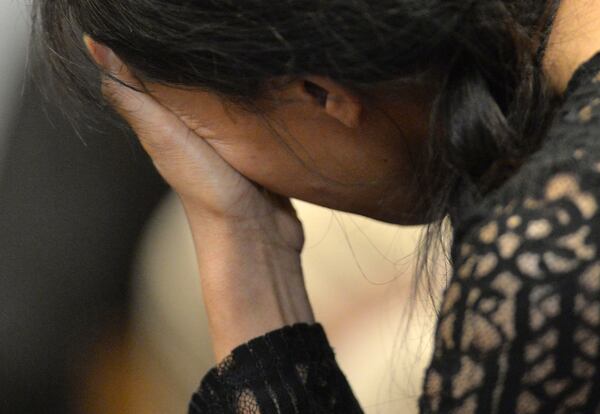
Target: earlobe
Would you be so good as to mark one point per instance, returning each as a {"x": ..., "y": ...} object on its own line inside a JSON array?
[{"x": 337, "y": 100}]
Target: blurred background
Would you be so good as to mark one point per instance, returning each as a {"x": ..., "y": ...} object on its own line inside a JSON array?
[{"x": 100, "y": 301}]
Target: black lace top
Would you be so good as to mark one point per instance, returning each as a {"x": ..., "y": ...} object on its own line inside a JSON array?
[{"x": 519, "y": 328}]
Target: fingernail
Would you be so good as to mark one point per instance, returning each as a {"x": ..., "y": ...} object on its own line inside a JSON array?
[{"x": 103, "y": 55}]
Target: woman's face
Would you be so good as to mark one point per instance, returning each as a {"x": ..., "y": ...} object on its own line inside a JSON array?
[{"x": 320, "y": 142}]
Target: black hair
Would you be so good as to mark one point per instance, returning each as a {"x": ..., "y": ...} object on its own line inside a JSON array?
[{"x": 492, "y": 110}]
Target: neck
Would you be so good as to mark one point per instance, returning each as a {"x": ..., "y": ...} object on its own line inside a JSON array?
[{"x": 575, "y": 38}]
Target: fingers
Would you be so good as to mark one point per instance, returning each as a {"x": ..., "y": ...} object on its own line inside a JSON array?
[
  {"x": 158, "y": 129},
  {"x": 181, "y": 156}
]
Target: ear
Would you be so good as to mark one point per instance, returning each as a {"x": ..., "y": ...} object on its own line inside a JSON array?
[{"x": 337, "y": 100}]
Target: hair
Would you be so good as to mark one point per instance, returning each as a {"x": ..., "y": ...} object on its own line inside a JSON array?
[{"x": 491, "y": 111}]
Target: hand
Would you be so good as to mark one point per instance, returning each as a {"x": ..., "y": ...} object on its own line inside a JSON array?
[{"x": 248, "y": 239}]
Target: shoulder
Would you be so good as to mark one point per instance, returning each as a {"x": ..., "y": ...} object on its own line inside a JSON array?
[
  {"x": 519, "y": 324},
  {"x": 537, "y": 241},
  {"x": 559, "y": 214}
]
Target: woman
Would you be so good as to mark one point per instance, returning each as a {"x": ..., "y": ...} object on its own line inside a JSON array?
[{"x": 405, "y": 111}]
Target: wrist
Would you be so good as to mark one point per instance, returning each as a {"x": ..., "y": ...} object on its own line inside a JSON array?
[
  {"x": 278, "y": 229},
  {"x": 251, "y": 284}
]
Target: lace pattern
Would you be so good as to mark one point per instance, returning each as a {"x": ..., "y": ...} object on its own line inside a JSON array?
[{"x": 289, "y": 370}]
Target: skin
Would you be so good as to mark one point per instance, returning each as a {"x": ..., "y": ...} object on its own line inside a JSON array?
[
  {"x": 337, "y": 148},
  {"x": 344, "y": 153},
  {"x": 574, "y": 39}
]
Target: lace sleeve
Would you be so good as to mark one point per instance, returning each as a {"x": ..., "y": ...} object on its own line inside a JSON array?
[
  {"x": 519, "y": 327},
  {"x": 289, "y": 370}
]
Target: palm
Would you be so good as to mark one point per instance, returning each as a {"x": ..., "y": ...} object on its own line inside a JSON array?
[
  {"x": 205, "y": 182},
  {"x": 224, "y": 192}
]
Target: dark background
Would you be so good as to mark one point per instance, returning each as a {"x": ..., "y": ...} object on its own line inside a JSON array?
[{"x": 70, "y": 217}]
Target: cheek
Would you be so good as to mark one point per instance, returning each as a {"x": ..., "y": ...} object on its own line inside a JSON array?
[
  {"x": 267, "y": 164},
  {"x": 271, "y": 165},
  {"x": 300, "y": 169}
]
